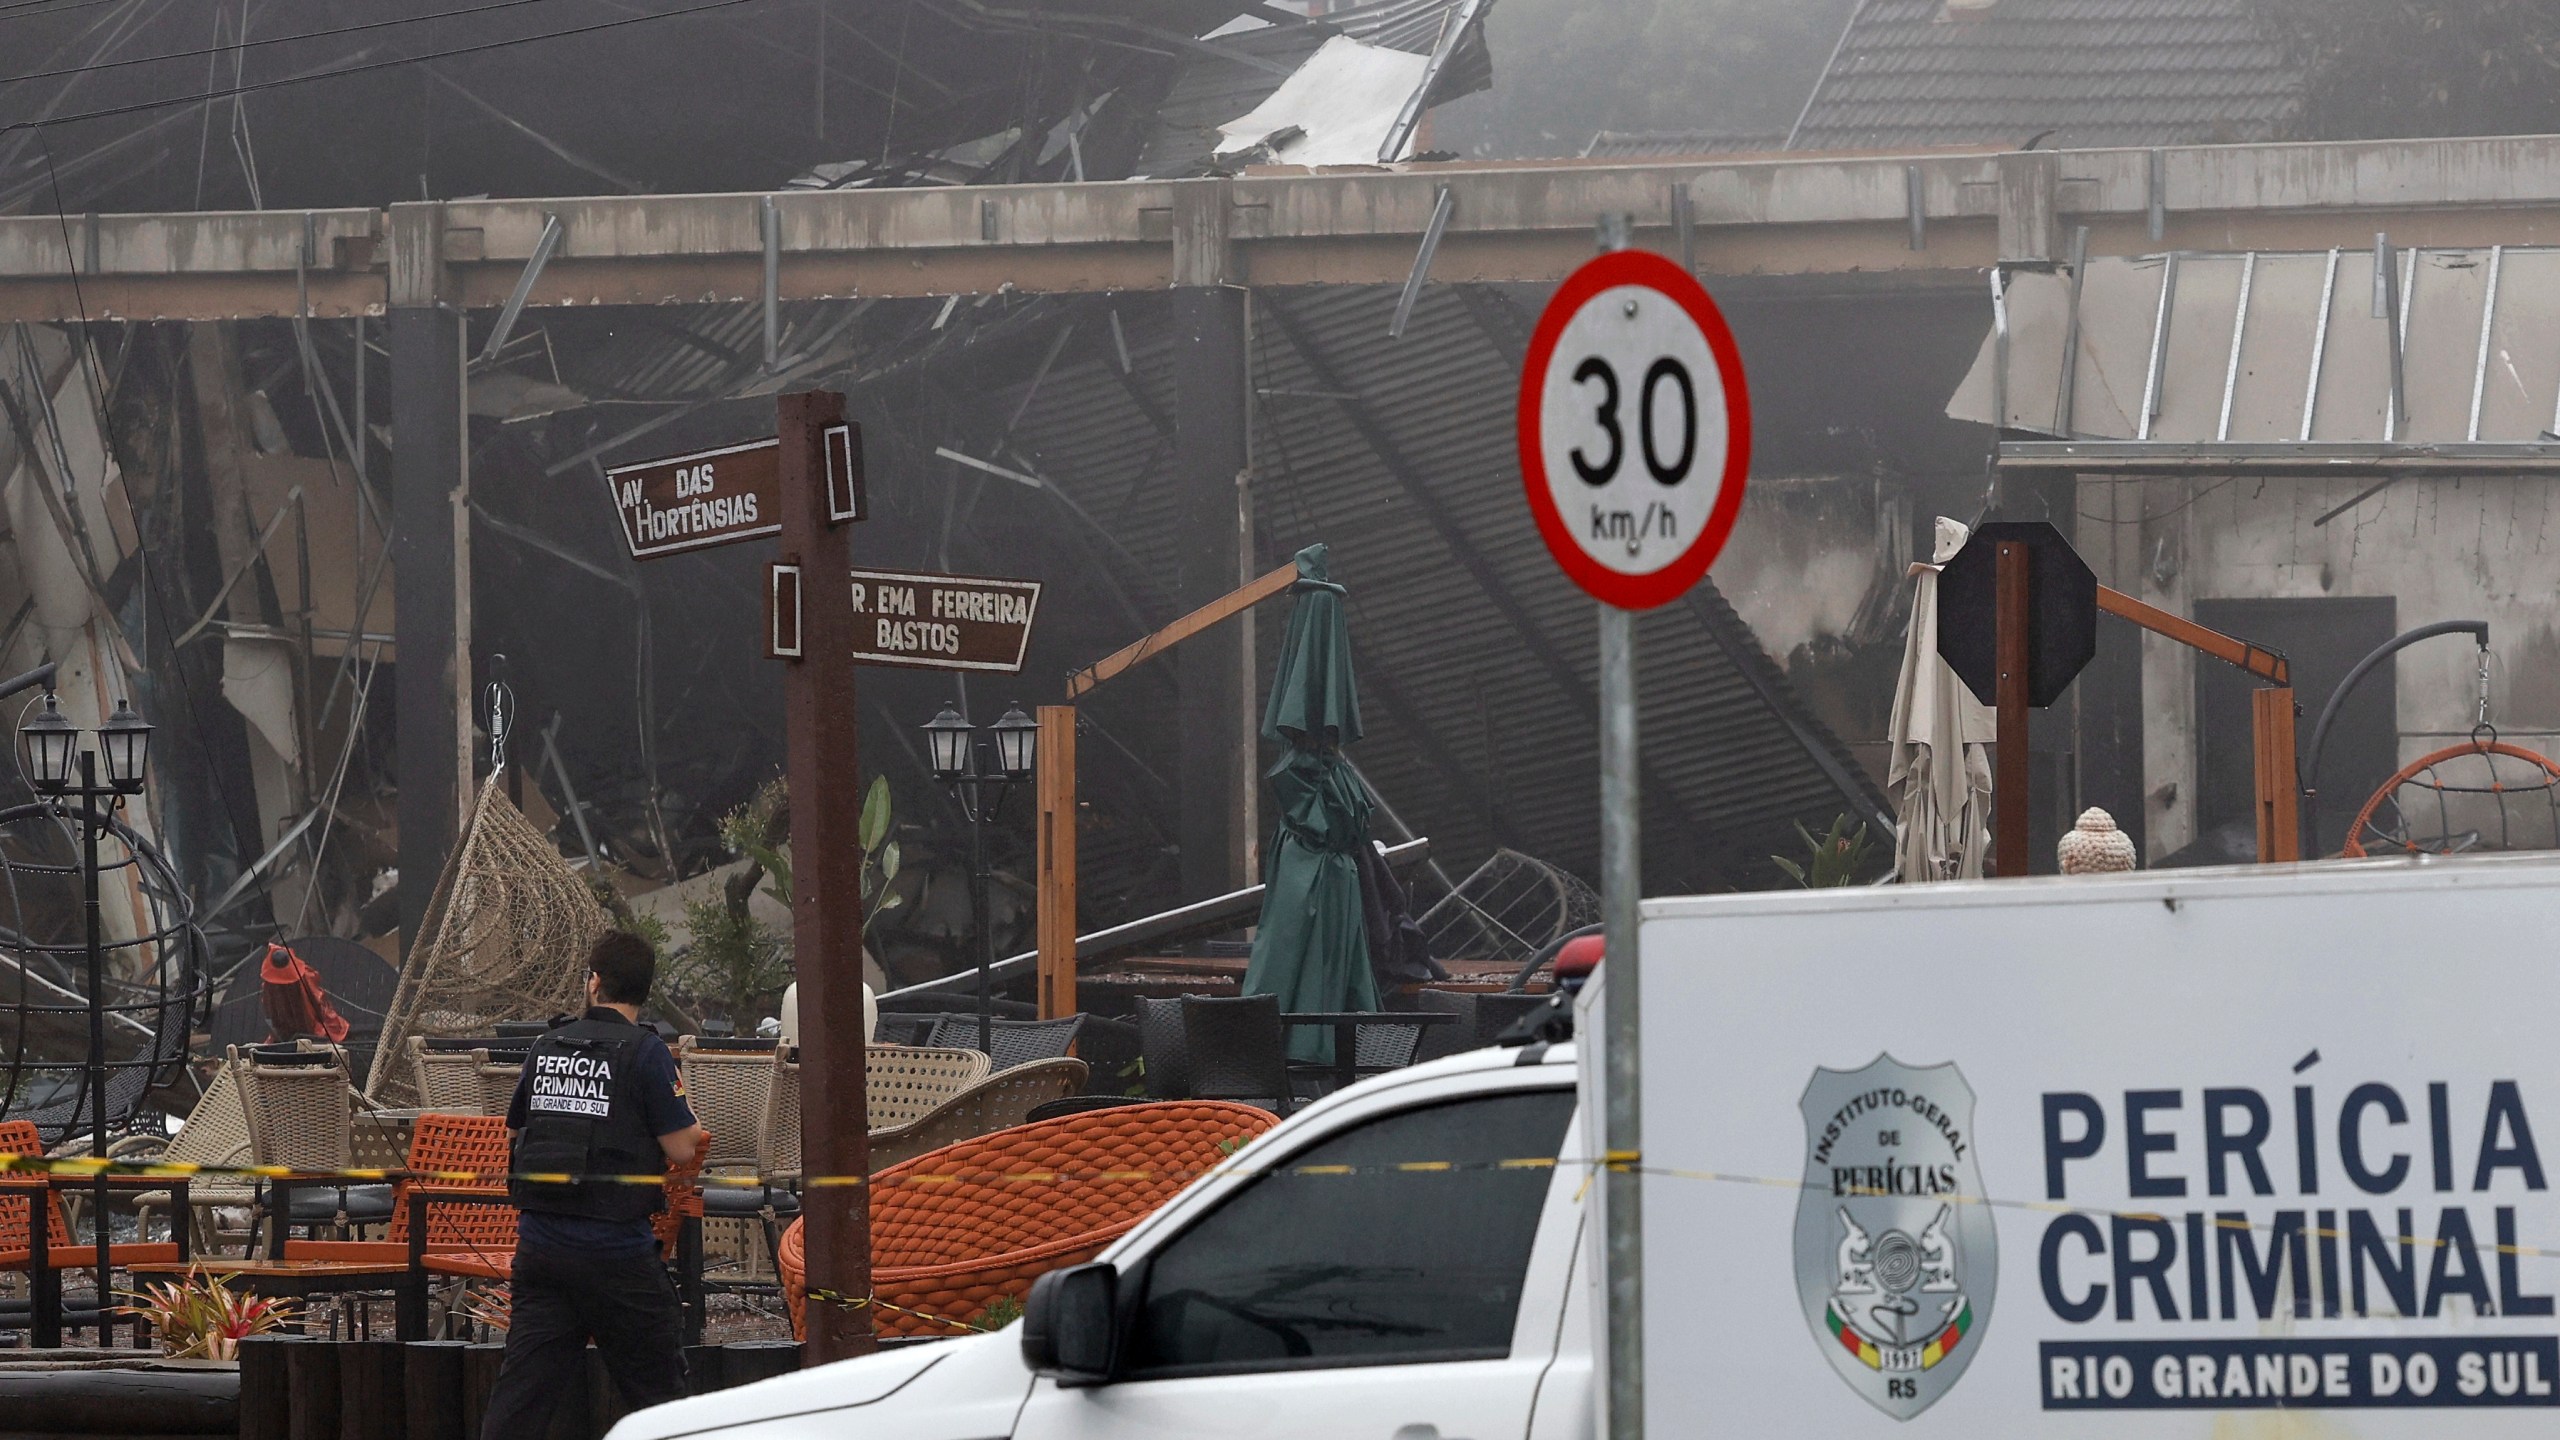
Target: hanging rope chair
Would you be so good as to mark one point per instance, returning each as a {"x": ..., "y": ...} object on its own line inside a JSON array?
[
  {"x": 505, "y": 937},
  {"x": 2477, "y": 796}
]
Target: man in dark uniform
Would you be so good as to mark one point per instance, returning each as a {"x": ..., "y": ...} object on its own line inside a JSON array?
[{"x": 599, "y": 1096}]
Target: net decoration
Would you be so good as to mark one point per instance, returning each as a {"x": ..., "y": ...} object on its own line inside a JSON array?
[
  {"x": 2477, "y": 796},
  {"x": 505, "y": 937}
]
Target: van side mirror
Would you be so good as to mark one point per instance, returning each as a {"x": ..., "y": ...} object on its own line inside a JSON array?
[{"x": 1071, "y": 1325}]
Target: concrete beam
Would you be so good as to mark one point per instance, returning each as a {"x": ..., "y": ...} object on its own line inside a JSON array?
[{"x": 1810, "y": 215}]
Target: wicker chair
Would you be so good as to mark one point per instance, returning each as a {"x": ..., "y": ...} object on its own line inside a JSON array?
[
  {"x": 903, "y": 1028},
  {"x": 902, "y": 1082},
  {"x": 1481, "y": 1017},
  {"x": 949, "y": 1250},
  {"x": 999, "y": 1102},
  {"x": 728, "y": 1090},
  {"x": 497, "y": 1081},
  {"x": 448, "y": 1080},
  {"x": 1011, "y": 1042},
  {"x": 1167, "y": 1051},
  {"x": 1236, "y": 1049},
  {"x": 216, "y": 1132},
  {"x": 302, "y": 1116},
  {"x": 746, "y": 1094},
  {"x": 474, "y": 1081}
]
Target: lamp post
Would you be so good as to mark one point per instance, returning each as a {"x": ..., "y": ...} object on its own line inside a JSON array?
[
  {"x": 951, "y": 748},
  {"x": 53, "y": 755}
]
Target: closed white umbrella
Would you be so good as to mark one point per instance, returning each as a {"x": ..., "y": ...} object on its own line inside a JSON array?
[{"x": 1940, "y": 773}]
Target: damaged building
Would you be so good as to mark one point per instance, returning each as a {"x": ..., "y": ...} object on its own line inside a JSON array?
[
  {"x": 1138, "y": 299},
  {"x": 356, "y": 533}
]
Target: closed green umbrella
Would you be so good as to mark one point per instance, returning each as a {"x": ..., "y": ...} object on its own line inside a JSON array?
[{"x": 1312, "y": 947}]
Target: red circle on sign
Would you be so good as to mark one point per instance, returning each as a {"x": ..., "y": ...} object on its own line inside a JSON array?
[{"x": 1664, "y": 276}]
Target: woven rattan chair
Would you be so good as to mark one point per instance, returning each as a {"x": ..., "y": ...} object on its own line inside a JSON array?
[
  {"x": 999, "y": 1102},
  {"x": 302, "y": 1117},
  {"x": 950, "y": 1248},
  {"x": 728, "y": 1090},
  {"x": 1386, "y": 1045},
  {"x": 1166, "y": 1051},
  {"x": 1481, "y": 1017},
  {"x": 1012, "y": 1042},
  {"x": 781, "y": 1123},
  {"x": 902, "y": 1082},
  {"x": 755, "y": 1097},
  {"x": 448, "y": 1080},
  {"x": 497, "y": 1084},
  {"x": 901, "y": 1028},
  {"x": 1236, "y": 1049},
  {"x": 216, "y": 1132}
]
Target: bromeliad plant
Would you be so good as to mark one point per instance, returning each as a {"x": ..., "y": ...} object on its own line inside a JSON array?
[
  {"x": 200, "y": 1318},
  {"x": 1836, "y": 859}
]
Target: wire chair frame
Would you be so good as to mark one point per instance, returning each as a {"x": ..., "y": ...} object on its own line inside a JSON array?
[
  {"x": 2387, "y": 825},
  {"x": 1508, "y": 908},
  {"x": 45, "y": 1077}
]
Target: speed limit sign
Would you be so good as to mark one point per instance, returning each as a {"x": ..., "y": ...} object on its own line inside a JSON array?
[{"x": 1635, "y": 429}]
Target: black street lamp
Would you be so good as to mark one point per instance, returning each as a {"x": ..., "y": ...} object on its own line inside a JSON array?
[
  {"x": 54, "y": 755},
  {"x": 950, "y": 745}
]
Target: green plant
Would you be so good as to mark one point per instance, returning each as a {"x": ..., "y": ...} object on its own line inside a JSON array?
[
  {"x": 1000, "y": 1312},
  {"x": 1835, "y": 859},
  {"x": 879, "y": 854},
  {"x": 761, "y": 831},
  {"x": 736, "y": 964},
  {"x": 200, "y": 1318}
]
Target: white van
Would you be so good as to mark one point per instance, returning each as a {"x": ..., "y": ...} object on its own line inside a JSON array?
[
  {"x": 2125, "y": 1156},
  {"x": 1434, "y": 1302}
]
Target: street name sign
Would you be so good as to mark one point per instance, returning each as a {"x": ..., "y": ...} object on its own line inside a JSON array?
[
  {"x": 926, "y": 621},
  {"x": 718, "y": 497},
  {"x": 1635, "y": 429}
]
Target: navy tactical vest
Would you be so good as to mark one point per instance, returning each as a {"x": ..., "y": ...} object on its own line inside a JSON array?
[{"x": 583, "y": 1117}]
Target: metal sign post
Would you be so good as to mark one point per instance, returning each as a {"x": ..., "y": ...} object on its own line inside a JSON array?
[
  {"x": 1635, "y": 438},
  {"x": 1621, "y": 887}
]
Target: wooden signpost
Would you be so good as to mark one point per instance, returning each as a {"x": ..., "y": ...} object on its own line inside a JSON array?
[{"x": 805, "y": 486}]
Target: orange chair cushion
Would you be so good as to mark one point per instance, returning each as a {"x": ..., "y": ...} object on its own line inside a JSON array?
[{"x": 954, "y": 1230}]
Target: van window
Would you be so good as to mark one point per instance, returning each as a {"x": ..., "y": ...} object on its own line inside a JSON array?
[{"x": 1379, "y": 1265}]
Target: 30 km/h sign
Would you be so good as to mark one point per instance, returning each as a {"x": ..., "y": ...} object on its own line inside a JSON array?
[{"x": 1635, "y": 429}]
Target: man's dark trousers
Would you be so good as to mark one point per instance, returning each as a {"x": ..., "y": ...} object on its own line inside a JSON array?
[{"x": 562, "y": 1298}]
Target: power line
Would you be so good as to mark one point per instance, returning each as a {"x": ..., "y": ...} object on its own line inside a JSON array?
[
  {"x": 251, "y": 88},
  {"x": 36, "y": 9},
  {"x": 221, "y": 50}
]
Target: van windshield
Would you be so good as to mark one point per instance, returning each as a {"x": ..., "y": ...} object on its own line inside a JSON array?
[{"x": 1401, "y": 1241}]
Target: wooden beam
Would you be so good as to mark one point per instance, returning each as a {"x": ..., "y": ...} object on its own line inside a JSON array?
[
  {"x": 2271, "y": 717},
  {"x": 1234, "y": 602},
  {"x": 2267, "y": 665},
  {"x": 1057, "y": 861},
  {"x": 2009, "y": 780}
]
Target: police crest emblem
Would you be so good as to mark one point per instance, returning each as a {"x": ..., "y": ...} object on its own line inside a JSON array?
[{"x": 1896, "y": 1259}]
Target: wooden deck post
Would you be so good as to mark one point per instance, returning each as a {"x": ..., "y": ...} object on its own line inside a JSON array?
[
  {"x": 2271, "y": 724},
  {"x": 1057, "y": 861}
]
